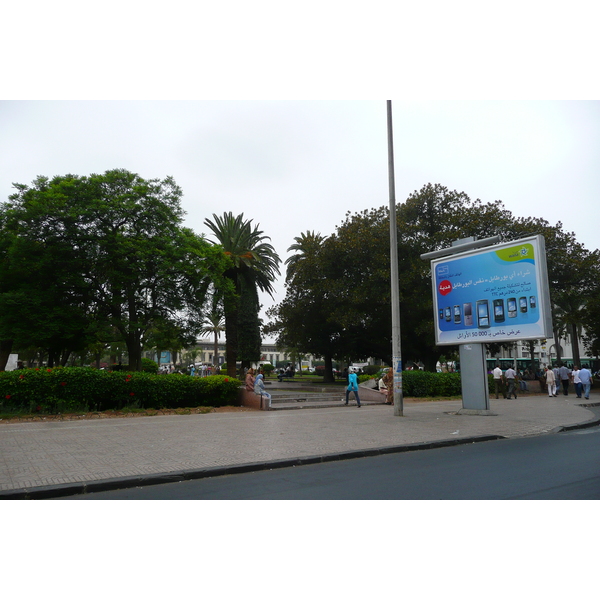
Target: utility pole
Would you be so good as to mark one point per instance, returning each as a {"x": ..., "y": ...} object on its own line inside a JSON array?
[{"x": 396, "y": 350}]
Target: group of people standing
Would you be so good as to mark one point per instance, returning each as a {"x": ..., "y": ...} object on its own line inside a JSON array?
[{"x": 563, "y": 376}]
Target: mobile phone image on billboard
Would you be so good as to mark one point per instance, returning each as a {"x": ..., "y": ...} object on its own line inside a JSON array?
[
  {"x": 483, "y": 314},
  {"x": 448, "y": 314},
  {"x": 441, "y": 314},
  {"x": 511, "y": 305},
  {"x": 457, "y": 314},
  {"x": 523, "y": 304},
  {"x": 498, "y": 311},
  {"x": 468, "y": 313},
  {"x": 532, "y": 302}
]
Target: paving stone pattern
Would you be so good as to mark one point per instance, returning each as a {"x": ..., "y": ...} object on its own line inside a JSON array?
[{"x": 44, "y": 454}]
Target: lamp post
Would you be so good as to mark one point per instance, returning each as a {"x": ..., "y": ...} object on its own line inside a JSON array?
[{"x": 396, "y": 350}]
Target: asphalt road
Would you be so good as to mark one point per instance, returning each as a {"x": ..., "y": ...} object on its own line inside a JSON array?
[{"x": 564, "y": 466}]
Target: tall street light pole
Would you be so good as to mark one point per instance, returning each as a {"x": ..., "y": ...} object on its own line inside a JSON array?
[{"x": 396, "y": 350}]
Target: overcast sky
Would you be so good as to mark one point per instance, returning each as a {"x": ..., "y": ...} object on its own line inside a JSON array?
[
  {"x": 223, "y": 100},
  {"x": 295, "y": 166}
]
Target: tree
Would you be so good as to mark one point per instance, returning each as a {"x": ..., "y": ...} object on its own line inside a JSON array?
[
  {"x": 338, "y": 290},
  {"x": 254, "y": 265},
  {"x": 214, "y": 325},
  {"x": 114, "y": 251}
]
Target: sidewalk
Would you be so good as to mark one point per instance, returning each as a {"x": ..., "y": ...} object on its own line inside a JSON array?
[{"x": 48, "y": 460}]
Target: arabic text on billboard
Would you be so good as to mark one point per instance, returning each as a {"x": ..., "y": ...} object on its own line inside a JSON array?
[{"x": 491, "y": 295}]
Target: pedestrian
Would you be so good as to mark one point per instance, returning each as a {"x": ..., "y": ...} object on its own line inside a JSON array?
[
  {"x": 381, "y": 387},
  {"x": 388, "y": 379},
  {"x": 550, "y": 382},
  {"x": 250, "y": 380},
  {"x": 564, "y": 374},
  {"x": 498, "y": 387},
  {"x": 585, "y": 376},
  {"x": 352, "y": 387},
  {"x": 576, "y": 381},
  {"x": 511, "y": 376},
  {"x": 522, "y": 383},
  {"x": 259, "y": 389}
]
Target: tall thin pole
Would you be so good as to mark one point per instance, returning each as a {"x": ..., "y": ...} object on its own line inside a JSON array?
[{"x": 396, "y": 350}]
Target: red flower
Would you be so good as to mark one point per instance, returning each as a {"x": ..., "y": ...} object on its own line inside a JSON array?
[
  {"x": 226, "y": 379},
  {"x": 132, "y": 394},
  {"x": 49, "y": 370},
  {"x": 7, "y": 396},
  {"x": 21, "y": 376},
  {"x": 63, "y": 383}
]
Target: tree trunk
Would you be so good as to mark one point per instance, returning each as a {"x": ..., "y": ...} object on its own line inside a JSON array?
[
  {"x": 557, "y": 345},
  {"x": 65, "y": 358},
  {"x": 328, "y": 376},
  {"x": 216, "y": 352},
  {"x": 231, "y": 336},
  {"x": 5, "y": 349},
  {"x": 134, "y": 349},
  {"x": 531, "y": 344},
  {"x": 575, "y": 345}
]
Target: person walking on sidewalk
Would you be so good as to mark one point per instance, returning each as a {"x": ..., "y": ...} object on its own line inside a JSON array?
[
  {"x": 576, "y": 381},
  {"x": 585, "y": 376},
  {"x": 550, "y": 382},
  {"x": 564, "y": 374},
  {"x": 352, "y": 387},
  {"x": 498, "y": 386},
  {"x": 511, "y": 376}
]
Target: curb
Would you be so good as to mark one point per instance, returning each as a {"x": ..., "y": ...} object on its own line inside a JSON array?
[{"x": 47, "y": 492}]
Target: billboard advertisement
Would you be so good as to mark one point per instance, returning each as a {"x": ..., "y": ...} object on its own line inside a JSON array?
[{"x": 494, "y": 294}]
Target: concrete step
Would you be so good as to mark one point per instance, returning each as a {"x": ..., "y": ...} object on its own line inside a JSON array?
[{"x": 305, "y": 397}]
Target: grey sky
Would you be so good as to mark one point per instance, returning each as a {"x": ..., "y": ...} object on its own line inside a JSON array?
[{"x": 294, "y": 166}]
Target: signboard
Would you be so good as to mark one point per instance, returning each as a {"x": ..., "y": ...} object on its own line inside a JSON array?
[{"x": 494, "y": 294}]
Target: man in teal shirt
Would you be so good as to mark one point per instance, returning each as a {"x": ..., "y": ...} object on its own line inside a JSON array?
[{"x": 352, "y": 387}]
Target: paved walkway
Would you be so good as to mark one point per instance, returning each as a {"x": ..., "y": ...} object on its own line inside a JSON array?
[{"x": 45, "y": 460}]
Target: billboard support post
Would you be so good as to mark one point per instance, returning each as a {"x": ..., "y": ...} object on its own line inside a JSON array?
[{"x": 473, "y": 369}]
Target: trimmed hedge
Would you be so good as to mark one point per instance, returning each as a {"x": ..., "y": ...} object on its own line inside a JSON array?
[
  {"x": 69, "y": 389},
  {"x": 424, "y": 384}
]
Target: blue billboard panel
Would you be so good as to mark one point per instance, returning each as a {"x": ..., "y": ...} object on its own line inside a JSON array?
[{"x": 496, "y": 294}]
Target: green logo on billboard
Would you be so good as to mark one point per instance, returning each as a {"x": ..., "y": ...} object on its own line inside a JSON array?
[{"x": 521, "y": 252}]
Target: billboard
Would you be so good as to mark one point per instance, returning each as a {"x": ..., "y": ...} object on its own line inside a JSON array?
[{"x": 494, "y": 294}]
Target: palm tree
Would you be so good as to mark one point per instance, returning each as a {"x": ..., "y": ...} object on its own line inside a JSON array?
[
  {"x": 306, "y": 245},
  {"x": 214, "y": 325},
  {"x": 252, "y": 260}
]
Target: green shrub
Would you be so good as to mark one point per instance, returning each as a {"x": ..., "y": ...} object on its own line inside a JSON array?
[
  {"x": 149, "y": 366},
  {"x": 82, "y": 388},
  {"x": 421, "y": 384}
]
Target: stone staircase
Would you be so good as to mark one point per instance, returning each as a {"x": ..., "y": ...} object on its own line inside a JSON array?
[{"x": 316, "y": 397}]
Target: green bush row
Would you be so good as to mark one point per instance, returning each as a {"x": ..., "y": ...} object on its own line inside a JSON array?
[
  {"x": 69, "y": 389},
  {"x": 423, "y": 384}
]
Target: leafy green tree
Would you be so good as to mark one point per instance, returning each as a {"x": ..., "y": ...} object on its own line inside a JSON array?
[
  {"x": 338, "y": 290},
  {"x": 254, "y": 265},
  {"x": 591, "y": 323},
  {"x": 114, "y": 246}
]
